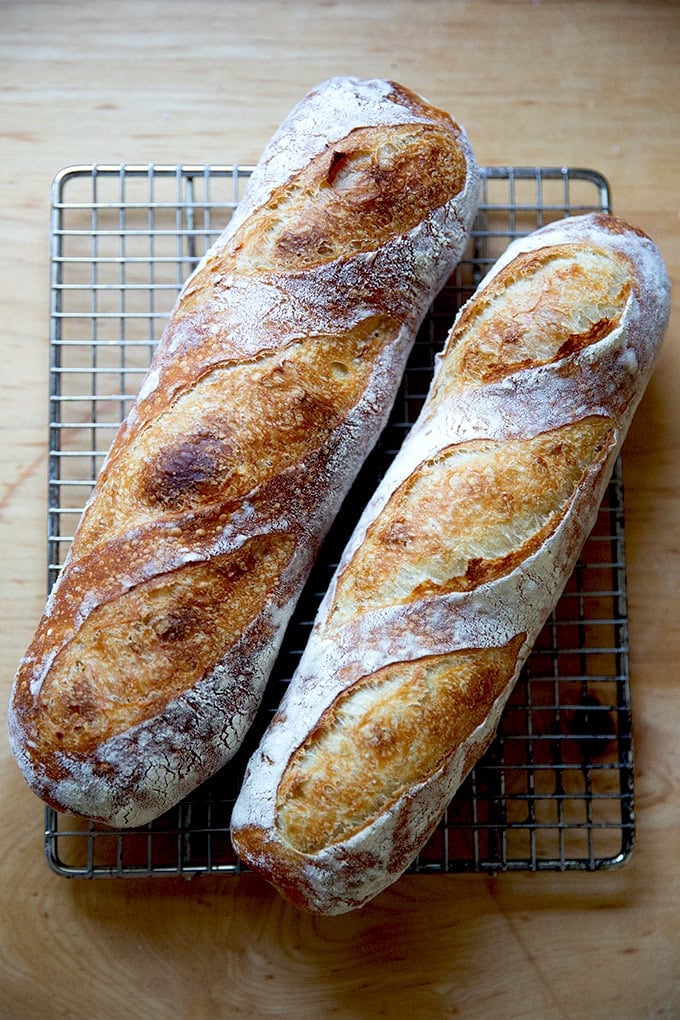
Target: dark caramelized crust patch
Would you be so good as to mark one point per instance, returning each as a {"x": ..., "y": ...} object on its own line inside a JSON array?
[
  {"x": 134, "y": 655},
  {"x": 192, "y": 471},
  {"x": 469, "y": 516},
  {"x": 369, "y": 187},
  {"x": 533, "y": 313},
  {"x": 615, "y": 225},
  {"x": 388, "y": 733},
  {"x": 238, "y": 427}
]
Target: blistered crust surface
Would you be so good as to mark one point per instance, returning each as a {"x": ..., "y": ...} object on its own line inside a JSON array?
[
  {"x": 270, "y": 384},
  {"x": 467, "y": 516},
  {"x": 461, "y": 553},
  {"x": 132, "y": 656},
  {"x": 534, "y": 313},
  {"x": 389, "y": 731}
]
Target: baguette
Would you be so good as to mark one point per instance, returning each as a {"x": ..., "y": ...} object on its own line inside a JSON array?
[
  {"x": 455, "y": 565},
  {"x": 271, "y": 383}
]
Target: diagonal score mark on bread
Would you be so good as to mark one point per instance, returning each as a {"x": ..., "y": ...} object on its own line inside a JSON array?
[
  {"x": 360, "y": 176},
  {"x": 531, "y": 314},
  {"x": 154, "y": 642},
  {"x": 489, "y": 505},
  {"x": 387, "y": 733},
  {"x": 205, "y": 451}
]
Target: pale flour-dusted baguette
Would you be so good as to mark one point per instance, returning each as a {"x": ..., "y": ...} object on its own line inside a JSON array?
[
  {"x": 457, "y": 561},
  {"x": 270, "y": 384}
]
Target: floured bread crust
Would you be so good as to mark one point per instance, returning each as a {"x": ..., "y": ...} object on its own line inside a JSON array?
[
  {"x": 271, "y": 383},
  {"x": 456, "y": 563}
]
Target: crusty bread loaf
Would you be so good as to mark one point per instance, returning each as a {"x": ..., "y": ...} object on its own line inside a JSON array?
[
  {"x": 271, "y": 382},
  {"x": 456, "y": 563}
]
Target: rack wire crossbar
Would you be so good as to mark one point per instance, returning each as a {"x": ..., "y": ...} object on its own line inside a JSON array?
[{"x": 555, "y": 790}]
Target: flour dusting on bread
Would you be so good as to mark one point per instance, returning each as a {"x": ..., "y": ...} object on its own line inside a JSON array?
[
  {"x": 455, "y": 564},
  {"x": 270, "y": 384}
]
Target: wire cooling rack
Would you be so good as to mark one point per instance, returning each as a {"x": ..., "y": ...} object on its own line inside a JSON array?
[{"x": 555, "y": 790}]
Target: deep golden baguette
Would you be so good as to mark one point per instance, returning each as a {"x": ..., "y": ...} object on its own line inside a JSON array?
[
  {"x": 271, "y": 383},
  {"x": 456, "y": 563}
]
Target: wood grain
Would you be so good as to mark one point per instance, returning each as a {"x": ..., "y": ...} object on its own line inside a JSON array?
[{"x": 589, "y": 84}]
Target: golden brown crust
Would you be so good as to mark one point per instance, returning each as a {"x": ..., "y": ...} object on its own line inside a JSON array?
[
  {"x": 213, "y": 445},
  {"x": 389, "y": 178},
  {"x": 615, "y": 225}
]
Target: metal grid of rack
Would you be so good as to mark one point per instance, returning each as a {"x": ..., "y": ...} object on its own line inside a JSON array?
[{"x": 555, "y": 790}]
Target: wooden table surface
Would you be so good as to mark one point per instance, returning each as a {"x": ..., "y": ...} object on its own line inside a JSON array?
[{"x": 535, "y": 83}]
